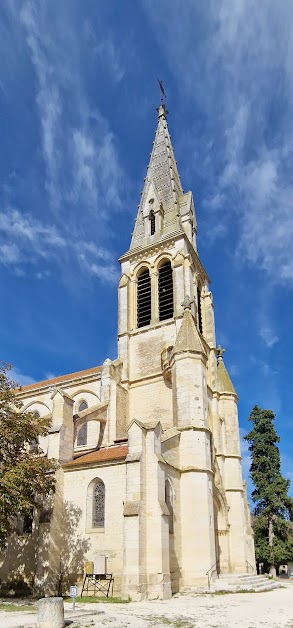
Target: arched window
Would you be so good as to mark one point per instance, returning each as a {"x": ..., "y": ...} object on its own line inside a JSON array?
[
  {"x": 199, "y": 311},
  {"x": 82, "y": 406},
  {"x": 99, "y": 505},
  {"x": 37, "y": 414},
  {"x": 165, "y": 291},
  {"x": 169, "y": 504},
  {"x": 152, "y": 222},
  {"x": 82, "y": 436},
  {"x": 143, "y": 298}
]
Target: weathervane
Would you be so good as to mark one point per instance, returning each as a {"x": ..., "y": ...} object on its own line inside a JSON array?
[{"x": 163, "y": 93}]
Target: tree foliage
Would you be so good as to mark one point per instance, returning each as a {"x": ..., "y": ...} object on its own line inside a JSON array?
[
  {"x": 273, "y": 510},
  {"x": 26, "y": 474}
]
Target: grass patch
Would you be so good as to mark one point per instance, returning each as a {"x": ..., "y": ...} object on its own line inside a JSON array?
[
  {"x": 97, "y": 600},
  {"x": 224, "y": 592},
  {"x": 176, "y": 622},
  {"x": 11, "y": 608}
]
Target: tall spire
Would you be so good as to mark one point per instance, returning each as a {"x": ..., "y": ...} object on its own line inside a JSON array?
[{"x": 162, "y": 193}]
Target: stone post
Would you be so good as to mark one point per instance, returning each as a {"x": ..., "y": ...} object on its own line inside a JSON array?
[{"x": 50, "y": 612}]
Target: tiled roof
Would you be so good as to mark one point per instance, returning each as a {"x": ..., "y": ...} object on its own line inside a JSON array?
[
  {"x": 100, "y": 455},
  {"x": 62, "y": 378}
]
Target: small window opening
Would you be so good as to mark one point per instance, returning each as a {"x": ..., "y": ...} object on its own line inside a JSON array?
[
  {"x": 82, "y": 436},
  {"x": 27, "y": 523},
  {"x": 144, "y": 299},
  {"x": 82, "y": 406},
  {"x": 169, "y": 504},
  {"x": 153, "y": 222},
  {"x": 37, "y": 414},
  {"x": 199, "y": 310},
  {"x": 99, "y": 505},
  {"x": 165, "y": 291}
]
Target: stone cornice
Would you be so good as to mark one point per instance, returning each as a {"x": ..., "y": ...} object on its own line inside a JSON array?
[
  {"x": 194, "y": 428},
  {"x": 65, "y": 381},
  {"x": 153, "y": 247}
]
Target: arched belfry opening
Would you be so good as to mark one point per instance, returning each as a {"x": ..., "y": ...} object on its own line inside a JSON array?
[
  {"x": 166, "y": 308},
  {"x": 144, "y": 300},
  {"x": 152, "y": 219}
]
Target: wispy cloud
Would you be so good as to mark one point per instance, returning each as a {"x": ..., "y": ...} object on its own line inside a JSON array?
[
  {"x": 107, "y": 52},
  {"x": 268, "y": 335},
  {"x": 80, "y": 180},
  {"x": 20, "y": 378},
  {"x": 243, "y": 49},
  {"x": 48, "y": 94},
  {"x": 79, "y": 150},
  {"x": 30, "y": 242}
]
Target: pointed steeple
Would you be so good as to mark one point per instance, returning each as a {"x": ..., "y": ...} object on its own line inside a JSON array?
[
  {"x": 224, "y": 381},
  {"x": 163, "y": 199},
  {"x": 188, "y": 339}
]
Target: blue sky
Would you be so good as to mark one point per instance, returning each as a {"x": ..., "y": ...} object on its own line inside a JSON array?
[{"x": 78, "y": 92}]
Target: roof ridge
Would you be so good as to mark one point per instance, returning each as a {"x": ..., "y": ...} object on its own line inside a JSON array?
[{"x": 60, "y": 378}]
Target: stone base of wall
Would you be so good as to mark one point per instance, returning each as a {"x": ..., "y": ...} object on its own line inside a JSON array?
[{"x": 157, "y": 587}]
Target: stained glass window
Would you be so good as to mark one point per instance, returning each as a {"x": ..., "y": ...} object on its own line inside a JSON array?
[
  {"x": 82, "y": 406},
  {"x": 99, "y": 505}
]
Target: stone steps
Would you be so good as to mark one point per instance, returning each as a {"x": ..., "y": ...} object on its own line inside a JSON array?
[
  {"x": 231, "y": 583},
  {"x": 243, "y": 582}
]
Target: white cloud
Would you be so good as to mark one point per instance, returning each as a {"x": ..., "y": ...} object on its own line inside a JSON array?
[
  {"x": 43, "y": 274},
  {"x": 9, "y": 254},
  {"x": 268, "y": 336},
  {"x": 20, "y": 378},
  {"x": 106, "y": 273},
  {"x": 107, "y": 52},
  {"x": 243, "y": 49},
  {"x": 27, "y": 229},
  {"x": 30, "y": 242},
  {"x": 48, "y": 96},
  {"x": 79, "y": 149}
]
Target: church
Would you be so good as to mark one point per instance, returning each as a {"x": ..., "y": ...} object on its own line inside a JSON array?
[{"x": 149, "y": 486}]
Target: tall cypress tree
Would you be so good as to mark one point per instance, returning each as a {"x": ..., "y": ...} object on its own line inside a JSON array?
[{"x": 273, "y": 510}]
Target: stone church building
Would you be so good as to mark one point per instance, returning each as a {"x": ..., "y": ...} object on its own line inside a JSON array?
[{"x": 150, "y": 482}]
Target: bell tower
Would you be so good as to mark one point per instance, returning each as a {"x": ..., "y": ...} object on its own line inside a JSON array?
[
  {"x": 159, "y": 270},
  {"x": 182, "y": 408}
]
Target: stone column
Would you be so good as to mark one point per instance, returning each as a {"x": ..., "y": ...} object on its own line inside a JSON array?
[
  {"x": 134, "y": 535},
  {"x": 157, "y": 520},
  {"x": 155, "y": 297},
  {"x": 50, "y": 612}
]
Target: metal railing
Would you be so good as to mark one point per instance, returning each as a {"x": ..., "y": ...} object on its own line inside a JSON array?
[
  {"x": 248, "y": 564},
  {"x": 209, "y": 573}
]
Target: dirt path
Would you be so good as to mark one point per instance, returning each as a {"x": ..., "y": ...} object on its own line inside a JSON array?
[{"x": 273, "y": 609}]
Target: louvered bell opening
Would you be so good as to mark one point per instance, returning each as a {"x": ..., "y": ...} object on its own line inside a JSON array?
[
  {"x": 199, "y": 311},
  {"x": 153, "y": 222},
  {"x": 144, "y": 299},
  {"x": 165, "y": 292}
]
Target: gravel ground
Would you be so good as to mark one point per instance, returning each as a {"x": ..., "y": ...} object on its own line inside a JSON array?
[{"x": 273, "y": 609}]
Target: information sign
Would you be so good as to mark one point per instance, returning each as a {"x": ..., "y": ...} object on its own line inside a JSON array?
[{"x": 73, "y": 591}]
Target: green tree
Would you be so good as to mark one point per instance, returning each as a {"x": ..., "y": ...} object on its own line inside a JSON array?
[
  {"x": 273, "y": 510},
  {"x": 26, "y": 474}
]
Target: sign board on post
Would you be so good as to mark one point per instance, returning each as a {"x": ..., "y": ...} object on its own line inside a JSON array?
[{"x": 73, "y": 595}]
